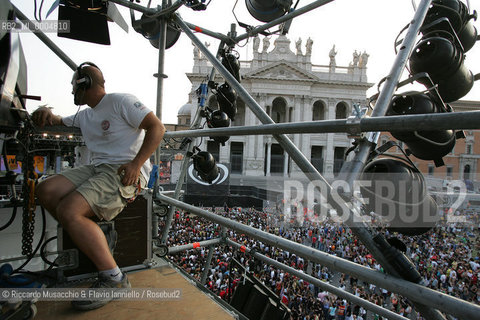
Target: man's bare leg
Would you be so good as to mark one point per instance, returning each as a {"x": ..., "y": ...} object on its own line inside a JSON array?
[
  {"x": 52, "y": 190},
  {"x": 74, "y": 214}
]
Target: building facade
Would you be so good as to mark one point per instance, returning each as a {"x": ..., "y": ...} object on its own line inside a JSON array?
[{"x": 290, "y": 88}]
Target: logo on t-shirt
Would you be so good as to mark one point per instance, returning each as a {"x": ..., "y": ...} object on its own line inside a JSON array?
[
  {"x": 105, "y": 125},
  {"x": 139, "y": 105}
]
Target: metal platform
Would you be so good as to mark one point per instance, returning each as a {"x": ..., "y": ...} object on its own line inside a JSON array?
[{"x": 193, "y": 303}]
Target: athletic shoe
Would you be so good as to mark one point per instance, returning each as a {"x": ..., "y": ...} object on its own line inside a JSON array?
[{"x": 103, "y": 283}]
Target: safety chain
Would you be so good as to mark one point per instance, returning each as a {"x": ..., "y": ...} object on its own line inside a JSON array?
[{"x": 28, "y": 191}]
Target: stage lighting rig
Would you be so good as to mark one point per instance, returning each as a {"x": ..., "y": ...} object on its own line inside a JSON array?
[
  {"x": 149, "y": 27},
  {"x": 205, "y": 165},
  {"x": 217, "y": 119},
  {"x": 443, "y": 60},
  {"x": 196, "y": 5},
  {"x": 448, "y": 32},
  {"x": 425, "y": 145},
  {"x": 268, "y": 10},
  {"x": 396, "y": 257},
  {"x": 226, "y": 98},
  {"x": 396, "y": 190},
  {"x": 231, "y": 63},
  {"x": 458, "y": 17},
  {"x": 88, "y": 19}
]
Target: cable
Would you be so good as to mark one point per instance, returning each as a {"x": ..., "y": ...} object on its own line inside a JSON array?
[
  {"x": 201, "y": 138},
  {"x": 42, "y": 254},
  {"x": 35, "y": 9},
  {"x": 40, "y": 10},
  {"x": 78, "y": 110},
  {"x": 395, "y": 43}
]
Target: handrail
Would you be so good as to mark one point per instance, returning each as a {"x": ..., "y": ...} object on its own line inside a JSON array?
[{"x": 413, "y": 291}]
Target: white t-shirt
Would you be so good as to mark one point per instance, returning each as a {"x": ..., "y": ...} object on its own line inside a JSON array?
[{"x": 110, "y": 129}]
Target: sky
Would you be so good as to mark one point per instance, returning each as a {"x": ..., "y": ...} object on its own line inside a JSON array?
[{"x": 128, "y": 64}]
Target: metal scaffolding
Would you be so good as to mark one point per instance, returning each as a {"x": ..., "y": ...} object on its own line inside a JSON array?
[{"x": 426, "y": 301}]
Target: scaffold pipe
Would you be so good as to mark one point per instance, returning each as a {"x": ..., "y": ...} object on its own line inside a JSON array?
[
  {"x": 413, "y": 291},
  {"x": 435, "y": 121},
  {"x": 194, "y": 245}
]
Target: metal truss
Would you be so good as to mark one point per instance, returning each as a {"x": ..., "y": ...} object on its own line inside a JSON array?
[
  {"x": 426, "y": 301},
  {"x": 76, "y": 140}
]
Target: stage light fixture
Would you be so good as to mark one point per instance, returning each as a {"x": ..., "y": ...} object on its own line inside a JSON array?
[
  {"x": 226, "y": 98},
  {"x": 448, "y": 32},
  {"x": 231, "y": 63},
  {"x": 460, "y": 19},
  {"x": 425, "y": 145},
  {"x": 268, "y": 10},
  {"x": 218, "y": 119},
  {"x": 150, "y": 29},
  {"x": 397, "y": 191},
  {"x": 443, "y": 60},
  {"x": 205, "y": 165}
]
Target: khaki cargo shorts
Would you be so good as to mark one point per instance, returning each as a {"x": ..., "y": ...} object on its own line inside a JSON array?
[{"x": 102, "y": 188}]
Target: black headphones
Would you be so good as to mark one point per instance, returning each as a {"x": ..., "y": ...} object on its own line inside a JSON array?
[{"x": 84, "y": 81}]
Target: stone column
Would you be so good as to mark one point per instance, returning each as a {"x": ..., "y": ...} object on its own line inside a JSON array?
[
  {"x": 269, "y": 155},
  {"x": 285, "y": 164},
  {"x": 329, "y": 152},
  {"x": 255, "y": 147},
  {"x": 298, "y": 138}
]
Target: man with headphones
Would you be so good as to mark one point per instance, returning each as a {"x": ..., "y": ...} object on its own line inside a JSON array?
[{"x": 121, "y": 134}]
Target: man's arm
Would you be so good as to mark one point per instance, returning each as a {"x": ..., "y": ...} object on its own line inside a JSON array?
[
  {"x": 43, "y": 116},
  {"x": 154, "y": 131}
]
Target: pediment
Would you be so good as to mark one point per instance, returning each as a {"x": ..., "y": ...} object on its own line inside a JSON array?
[{"x": 281, "y": 71}]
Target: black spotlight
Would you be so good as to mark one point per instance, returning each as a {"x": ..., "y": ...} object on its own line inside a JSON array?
[
  {"x": 150, "y": 29},
  {"x": 425, "y": 145},
  {"x": 457, "y": 14},
  {"x": 226, "y": 99},
  {"x": 218, "y": 119},
  {"x": 397, "y": 191},
  {"x": 443, "y": 61},
  {"x": 204, "y": 163},
  {"x": 231, "y": 63},
  {"x": 268, "y": 10}
]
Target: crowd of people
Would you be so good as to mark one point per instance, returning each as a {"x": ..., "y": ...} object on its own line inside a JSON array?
[{"x": 446, "y": 258}]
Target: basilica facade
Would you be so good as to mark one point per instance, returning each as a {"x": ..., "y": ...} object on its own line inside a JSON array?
[{"x": 290, "y": 88}]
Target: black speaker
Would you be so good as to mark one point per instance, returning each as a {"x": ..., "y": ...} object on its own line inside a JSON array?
[
  {"x": 273, "y": 311},
  {"x": 240, "y": 296},
  {"x": 134, "y": 238},
  {"x": 256, "y": 303}
]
